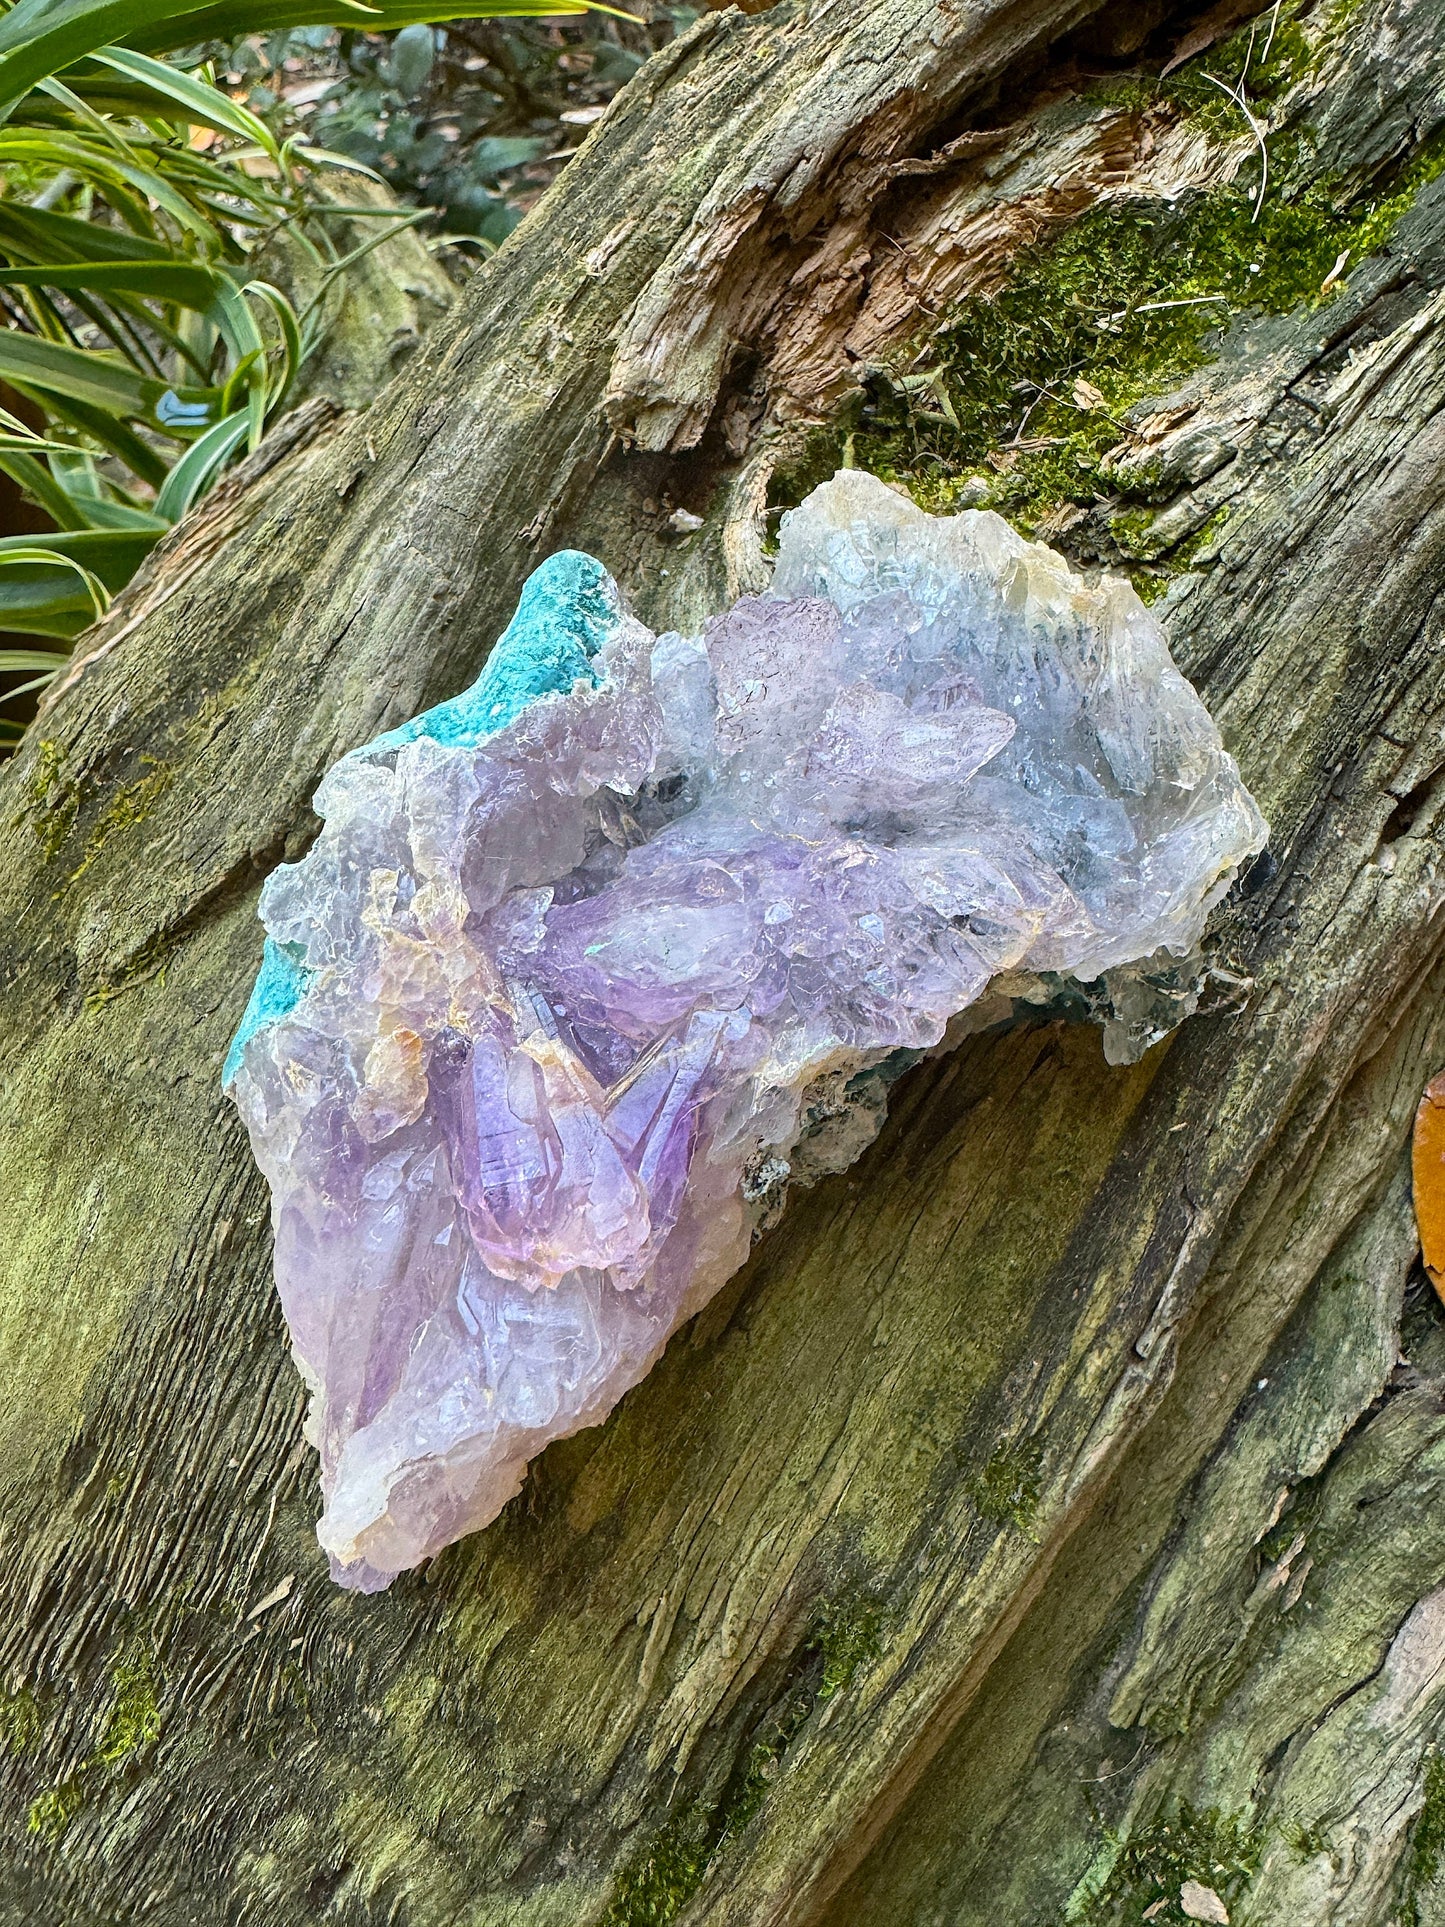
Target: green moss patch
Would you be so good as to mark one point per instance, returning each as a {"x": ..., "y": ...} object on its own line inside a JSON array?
[
  {"x": 847, "y": 1634},
  {"x": 51, "y": 801},
  {"x": 1007, "y": 1490},
  {"x": 51, "y": 1812},
  {"x": 1139, "y": 1876},
  {"x": 1029, "y": 387},
  {"x": 19, "y": 1721},
  {"x": 132, "y": 1726},
  {"x": 128, "y": 806},
  {"x": 135, "y": 1720},
  {"x": 657, "y": 1885},
  {"x": 1018, "y": 401},
  {"x": 1427, "y": 1843}
]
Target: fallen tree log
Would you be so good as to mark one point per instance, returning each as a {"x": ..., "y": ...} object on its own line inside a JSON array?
[{"x": 1047, "y": 1517}]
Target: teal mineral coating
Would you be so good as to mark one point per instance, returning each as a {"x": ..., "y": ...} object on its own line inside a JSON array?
[
  {"x": 567, "y": 609},
  {"x": 280, "y": 985}
]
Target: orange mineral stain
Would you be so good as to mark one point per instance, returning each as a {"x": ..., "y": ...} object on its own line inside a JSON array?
[{"x": 1429, "y": 1176}]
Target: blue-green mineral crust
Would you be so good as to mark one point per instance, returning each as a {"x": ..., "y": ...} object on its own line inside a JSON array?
[
  {"x": 279, "y": 987},
  {"x": 568, "y": 607}
]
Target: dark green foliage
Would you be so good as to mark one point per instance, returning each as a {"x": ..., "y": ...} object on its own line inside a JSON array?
[
  {"x": 466, "y": 119},
  {"x": 142, "y": 349},
  {"x": 38, "y": 39}
]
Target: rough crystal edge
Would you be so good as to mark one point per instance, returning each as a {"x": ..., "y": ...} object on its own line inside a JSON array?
[{"x": 565, "y": 614}]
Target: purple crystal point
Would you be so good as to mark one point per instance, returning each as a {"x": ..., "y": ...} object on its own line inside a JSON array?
[{"x": 583, "y": 960}]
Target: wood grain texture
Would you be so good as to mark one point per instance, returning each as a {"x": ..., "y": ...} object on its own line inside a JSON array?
[{"x": 975, "y": 1449}]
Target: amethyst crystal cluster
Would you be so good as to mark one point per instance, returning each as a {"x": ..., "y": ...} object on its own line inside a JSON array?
[{"x": 585, "y": 961}]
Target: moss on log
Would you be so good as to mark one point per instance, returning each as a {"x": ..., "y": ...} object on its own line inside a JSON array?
[{"x": 1100, "y": 1550}]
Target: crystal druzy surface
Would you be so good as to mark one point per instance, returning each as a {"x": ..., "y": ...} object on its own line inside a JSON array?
[{"x": 585, "y": 958}]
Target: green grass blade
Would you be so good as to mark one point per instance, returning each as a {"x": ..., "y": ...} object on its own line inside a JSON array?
[
  {"x": 89, "y": 496},
  {"x": 46, "y": 592},
  {"x": 99, "y": 379},
  {"x": 40, "y": 235},
  {"x": 43, "y": 489},
  {"x": 43, "y": 37},
  {"x": 230, "y": 19},
  {"x": 185, "y": 283},
  {"x": 109, "y": 431},
  {"x": 15, "y": 433},
  {"x": 324, "y": 157},
  {"x": 109, "y": 556},
  {"x": 100, "y": 125},
  {"x": 201, "y": 463},
  {"x": 102, "y": 381},
  {"x": 242, "y": 333},
  {"x": 289, "y": 325},
  {"x": 102, "y": 513},
  {"x": 37, "y": 682},
  {"x": 128, "y": 187},
  {"x": 15, "y": 662},
  {"x": 203, "y": 104}
]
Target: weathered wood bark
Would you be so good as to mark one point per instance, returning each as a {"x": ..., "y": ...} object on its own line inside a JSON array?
[
  {"x": 373, "y": 317},
  {"x": 1071, "y": 1458}
]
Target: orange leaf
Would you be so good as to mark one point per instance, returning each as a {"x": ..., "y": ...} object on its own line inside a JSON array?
[{"x": 1429, "y": 1175}]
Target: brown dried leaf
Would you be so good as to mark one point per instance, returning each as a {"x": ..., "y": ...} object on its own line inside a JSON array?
[{"x": 1429, "y": 1175}]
